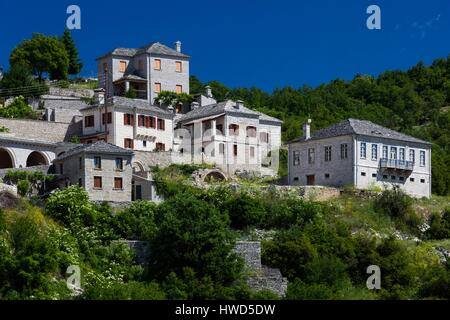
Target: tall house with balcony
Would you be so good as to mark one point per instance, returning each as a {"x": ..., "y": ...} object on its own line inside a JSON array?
[
  {"x": 144, "y": 72},
  {"x": 362, "y": 154}
]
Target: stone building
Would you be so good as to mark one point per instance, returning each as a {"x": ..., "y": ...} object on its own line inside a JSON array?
[
  {"x": 147, "y": 70},
  {"x": 102, "y": 169},
  {"x": 362, "y": 154}
]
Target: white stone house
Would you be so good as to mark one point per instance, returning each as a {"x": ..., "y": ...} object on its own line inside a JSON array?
[
  {"x": 362, "y": 154},
  {"x": 148, "y": 70},
  {"x": 230, "y": 136}
]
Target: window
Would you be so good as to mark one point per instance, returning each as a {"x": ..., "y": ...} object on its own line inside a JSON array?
[
  {"x": 422, "y": 158},
  {"x": 221, "y": 148},
  {"x": 295, "y": 178},
  {"x": 141, "y": 65},
  {"x": 178, "y": 66},
  {"x": 251, "y": 131},
  {"x": 393, "y": 153},
  {"x": 144, "y": 143},
  {"x": 161, "y": 124},
  {"x": 157, "y": 87},
  {"x": 363, "y": 174},
  {"x": 362, "y": 150},
  {"x": 97, "y": 182},
  {"x": 80, "y": 162},
  {"x": 401, "y": 178},
  {"x": 128, "y": 119},
  {"x": 179, "y": 88},
  {"x": 157, "y": 64},
  {"x": 374, "y": 151},
  {"x": 412, "y": 155},
  {"x": 252, "y": 152},
  {"x": 422, "y": 180},
  {"x": 89, "y": 121},
  {"x": 344, "y": 152},
  {"x": 327, "y": 175},
  {"x": 385, "y": 152},
  {"x": 97, "y": 163},
  {"x": 119, "y": 164},
  {"x": 150, "y": 122},
  {"x": 118, "y": 183},
  {"x": 374, "y": 175},
  {"x": 401, "y": 154},
  {"x": 141, "y": 120},
  {"x": 108, "y": 117},
  {"x": 264, "y": 137},
  {"x": 80, "y": 182},
  {"x": 296, "y": 158},
  {"x": 392, "y": 177},
  {"x": 311, "y": 155},
  {"x": 219, "y": 129},
  {"x": 411, "y": 179},
  {"x": 385, "y": 176},
  {"x": 160, "y": 146},
  {"x": 122, "y": 66},
  {"x": 328, "y": 153},
  {"x": 235, "y": 150},
  {"x": 128, "y": 143},
  {"x": 233, "y": 129}
]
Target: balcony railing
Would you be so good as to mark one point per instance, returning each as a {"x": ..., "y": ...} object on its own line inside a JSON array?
[{"x": 396, "y": 164}]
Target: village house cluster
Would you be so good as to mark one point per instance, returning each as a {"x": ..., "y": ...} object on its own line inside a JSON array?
[{"x": 121, "y": 138}]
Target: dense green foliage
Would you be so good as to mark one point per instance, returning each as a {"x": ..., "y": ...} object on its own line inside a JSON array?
[
  {"x": 19, "y": 81},
  {"x": 18, "y": 109},
  {"x": 416, "y": 102},
  {"x": 75, "y": 64}
]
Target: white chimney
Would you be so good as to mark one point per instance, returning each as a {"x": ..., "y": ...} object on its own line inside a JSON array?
[
  {"x": 99, "y": 96},
  {"x": 209, "y": 92},
  {"x": 178, "y": 46},
  {"x": 239, "y": 104},
  {"x": 307, "y": 129}
]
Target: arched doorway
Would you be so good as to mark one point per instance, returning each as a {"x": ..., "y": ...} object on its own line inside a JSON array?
[
  {"x": 36, "y": 158},
  {"x": 214, "y": 176},
  {"x": 6, "y": 160}
]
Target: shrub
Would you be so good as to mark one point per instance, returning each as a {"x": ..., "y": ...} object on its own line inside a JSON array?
[
  {"x": 23, "y": 187},
  {"x": 439, "y": 226},
  {"x": 298, "y": 290},
  {"x": 137, "y": 221},
  {"x": 245, "y": 210}
]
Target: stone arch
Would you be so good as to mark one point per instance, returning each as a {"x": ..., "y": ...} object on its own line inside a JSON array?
[
  {"x": 137, "y": 167},
  {"x": 37, "y": 158},
  {"x": 215, "y": 175},
  {"x": 7, "y": 159}
]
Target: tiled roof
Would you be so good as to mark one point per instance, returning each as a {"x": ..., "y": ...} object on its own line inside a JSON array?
[
  {"x": 224, "y": 107},
  {"x": 96, "y": 147},
  {"x": 359, "y": 127},
  {"x": 154, "y": 47},
  {"x": 129, "y": 103},
  {"x": 12, "y": 138}
]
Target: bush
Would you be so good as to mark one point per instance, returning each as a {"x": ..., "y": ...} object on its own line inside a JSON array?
[
  {"x": 137, "y": 221},
  {"x": 439, "y": 226},
  {"x": 23, "y": 187},
  {"x": 298, "y": 290},
  {"x": 19, "y": 109},
  {"x": 245, "y": 210}
]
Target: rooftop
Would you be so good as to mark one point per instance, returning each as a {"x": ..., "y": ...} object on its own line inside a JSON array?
[
  {"x": 219, "y": 108},
  {"x": 359, "y": 127},
  {"x": 96, "y": 147},
  {"x": 152, "y": 48}
]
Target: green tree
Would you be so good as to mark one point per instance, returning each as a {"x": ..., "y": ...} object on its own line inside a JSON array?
[
  {"x": 19, "y": 81},
  {"x": 18, "y": 109},
  {"x": 75, "y": 64},
  {"x": 42, "y": 54}
]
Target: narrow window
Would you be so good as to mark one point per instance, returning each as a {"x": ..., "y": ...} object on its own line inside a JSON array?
[
  {"x": 328, "y": 153},
  {"x": 235, "y": 150},
  {"x": 97, "y": 182},
  {"x": 344, "y": 152},
  {"x": 251, "y": 131},
  {"x": 362, "y": 150},
  {"x": 89, "y": 121},
  {"x": 178, "y": 66},
  {"x": 128, "y": 143},
  {"x": 296, "y": 158},
  {"x": 122, "y": 66},
  {"x": 385, "y": 152},
  {"x": 118, "y": 183},
  {"x": 144, "y": 143},
  {"x": 412, "y": 155},
  {"x": 374, "y": 151},
  {"x": 80, "y": 162},
  {"x": 160, "y": 146},
  {"x": 252, "y": 152},
  {"x": 128, "y": 119},
  {"x": 311, "y": 155},
  {"x": 157, "y": 87},
  {"x": 157, "y": 64},
  {"x": 179, "y": 88},
  {"x": 161, "y": 124},
  {"x": 119, "y": 164},
  {"x": 233, "y": 129},
  {"x": 141, "y": 120},
  {"x": 221, "y": 148},
  {"x": 402, "y": 154},
  {"x": 393, "y": 153},
  {"x": 97, "y": 162},
  {"x": 422, "y": 158}
]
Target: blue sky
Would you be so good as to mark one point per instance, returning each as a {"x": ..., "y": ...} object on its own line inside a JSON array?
[{"x": 262, "y": 43}]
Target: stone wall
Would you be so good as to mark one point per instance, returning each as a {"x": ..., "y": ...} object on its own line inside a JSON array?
[
  {"x": 316, "y": 193},
  {"x": 41, "y": 130},
  {"x": 6, "y": 187},
  {"x": 65, "y": 92}
]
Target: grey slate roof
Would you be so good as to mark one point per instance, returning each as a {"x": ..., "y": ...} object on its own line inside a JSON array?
[
  {"x": 224, "y": 107},
  {"x": 359, "y": 127},
  {"x": 96, "y": 147},
  {"x": 152, "y": 48},
  {"x": 140, "y": 104},
  {"x": 11, "y": 138}
]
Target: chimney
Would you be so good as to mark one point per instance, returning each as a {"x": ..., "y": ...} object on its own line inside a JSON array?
[
  {"x": 99, "y": 96},
  {"x": 178, "y": 46},
  {"x": 194, "y": 105},
  {"x": 239, "y": 104},
  {"x": 307, "y": 129},
  {"x": 209, "y": 92}
]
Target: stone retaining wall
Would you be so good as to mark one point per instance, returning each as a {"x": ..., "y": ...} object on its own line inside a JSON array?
[{"x": 66, "y": 92}]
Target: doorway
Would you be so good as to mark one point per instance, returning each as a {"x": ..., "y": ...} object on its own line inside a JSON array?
[{"x": 310, "y": 180}]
